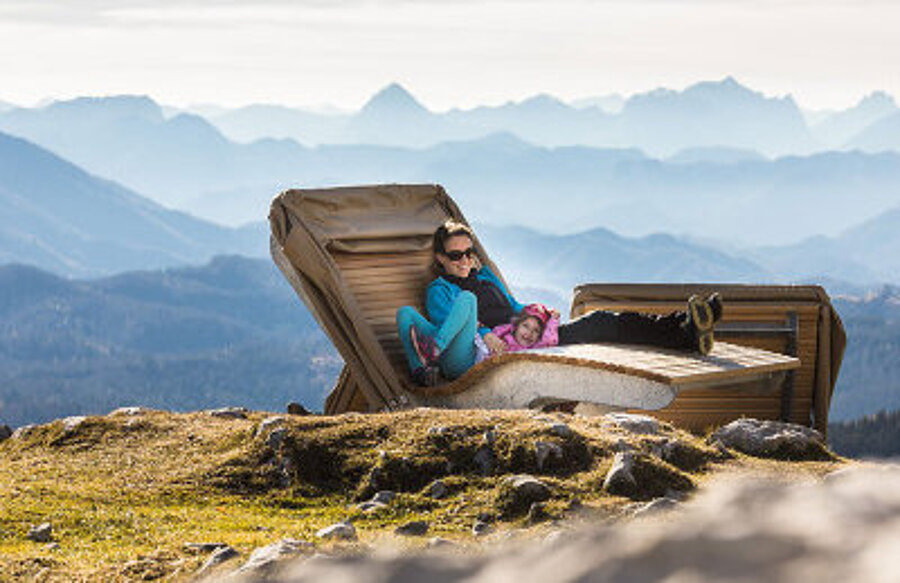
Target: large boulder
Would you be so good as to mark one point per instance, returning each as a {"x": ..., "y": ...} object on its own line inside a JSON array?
[{"x": 774, "y": 439}]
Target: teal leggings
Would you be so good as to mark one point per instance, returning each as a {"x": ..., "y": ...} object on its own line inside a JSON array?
[{"x": 455, "y": 337}]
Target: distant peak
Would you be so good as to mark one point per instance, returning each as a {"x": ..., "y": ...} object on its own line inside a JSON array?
[
  {"x": 878, "y": 99},
  {"x": 727, "y": 85},
  {"x": 113, "y": 105},
  {"x": 393, "y": 98}
]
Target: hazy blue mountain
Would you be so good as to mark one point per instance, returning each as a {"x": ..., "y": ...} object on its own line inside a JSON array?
[
  {"x": 559, "y": 263},
  {"x": 840, "y": 127},
  {"x": 868, "y": 252},
  {"x": 611, "y": 103},
  {"x": 723, "y": 113},
  {"x": 6, "y": 106},
  {"x": 128, "y": 139},
  {"x": 881, "y": 136},
  {"x": 256, "y": 122},
  {"x": 716, "y": 155},
  {"x": 661, "y": 122},
  {"x": 869, "y": 380},
  {"x": 55, "y": 215},
  {"x": 229, "y": 333}
]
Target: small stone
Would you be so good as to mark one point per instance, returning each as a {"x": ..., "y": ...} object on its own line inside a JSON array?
[
  {"x": 72, "y": 423},
  {"x": 42, "y": 533},
  {"x": 560, "y": 429},
  {"x": 619, "y": 479},
  {"x": 23, "y": 431},
  {"x": 481, "y": 528},
  {"x": 655, "y": 506},
  {"x": 276, "y": 437},
  {"x": 297, "y": 409},
  {"x": 127, "y": 412},
  {"x": 264, "y": 559},
  {"x": 771, "y": 438},
  {"x": 229, "y": 413},
  {"x": 268, "y": 424},
  {"x": 340, "y": 530},
  {"x": 544, "y": 450},
  {"x": 52, "y": 547},
  {"x": 368, "y": 506},
  {"x": 485, "y": 460},
  {"x": 489, "y": 438},
  {"x": 201, "y": 548},
  {"x": 5, "y": 432},
  {"x": 384, "y": 497},
  {"x": 438, "y": 430},
  {"x": 537, "y": 513},
  {"x": 517, "y": 493},
  {"x": 219, "y": 556},
  {"x": 438, "y": 490},
  {"x": 438, "y": 542},
  {"x": 414, "y": 528},
  {"x": 638, "y": 424}
]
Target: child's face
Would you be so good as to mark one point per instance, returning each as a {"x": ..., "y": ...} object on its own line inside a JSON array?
[{"x": 528, "y": 331}]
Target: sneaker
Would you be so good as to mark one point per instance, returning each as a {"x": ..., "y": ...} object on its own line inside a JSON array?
[
  {"x": 700, "y": 313},
  {"x": 426, "y": 376},
  {"x": 714, "y": 301},
  {"x": 698, "y": 340},
  {"x": 425, "y": 347}
]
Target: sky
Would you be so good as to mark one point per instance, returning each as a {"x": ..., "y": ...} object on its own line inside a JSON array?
[{"x": 827, "y": 54}]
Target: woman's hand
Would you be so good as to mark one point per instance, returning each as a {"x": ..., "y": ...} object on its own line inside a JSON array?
[{"x": 494, "y": 344}]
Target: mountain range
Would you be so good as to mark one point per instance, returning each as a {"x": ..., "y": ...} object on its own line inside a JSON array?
[
  {"x": 228, "y": 333},
  {"x": 184, "y": 162},
  {"x": 60, "y": 218},
  {"x": 57, "y": 216},
  {"x": 660, "y": 122}
]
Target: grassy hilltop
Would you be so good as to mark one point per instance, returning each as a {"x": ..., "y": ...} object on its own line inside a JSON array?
[{"x": 126, "y": 492}]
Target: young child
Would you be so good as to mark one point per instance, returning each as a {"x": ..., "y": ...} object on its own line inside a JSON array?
[{"x": 535, "y": 326}]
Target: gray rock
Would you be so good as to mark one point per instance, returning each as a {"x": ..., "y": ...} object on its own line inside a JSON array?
[
  {"x": 485, "y": 460},
  {"x": 438, "y": 542},
  {"x": 275, "y": 438},
  {"x": 52, "y": 547},
  {"x": 297, "y": 409},
  {"x": 384, "y": 497},
  {"x": 219, "y": 555},
  {"x": 339, "y": 531},
  {"x": 128, "y": 412},
  {"x": 438, "y": 430},
  {"x": 72, "y": 423},
  {"x": 268, "y": 424},
  {"x": 560, "y": 429},
  {"x": 438, "y": 490},
  {"x": 369, "y": 506},
  {"x": 23, "y": 432},
  {"x": 414, "y": 528},
  {"x": 5, "y": 432},
  {"x": 482, "y": 528},
  {"x": 637, "y": 424},
  {"x": 265, "y": 560},
  {"x": 43, "y": 533},
  {"x": 518, "y": 493},
  {"x": 544, "y": 450},
  {"x": 229, "y": 413},
  {"x": 655, "y": 507},
  {"x": 489, "y": 438},
  {"x": 619, "y": 479},
  {"x": 201, "y": 548},
  {"x": 537, "y": 513},
  {"x": 766, "y": 438}
]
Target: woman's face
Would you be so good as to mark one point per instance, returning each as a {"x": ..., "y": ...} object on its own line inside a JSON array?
[
  {"x": 457, "y": 246},
  {"x": 528, "y": 331}
]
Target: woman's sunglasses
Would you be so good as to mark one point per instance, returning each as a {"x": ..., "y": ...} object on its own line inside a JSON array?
[{"x": 457, "y": 255}]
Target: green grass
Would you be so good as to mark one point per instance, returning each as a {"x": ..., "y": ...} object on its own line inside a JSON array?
[{"x": 124, "y": 494}]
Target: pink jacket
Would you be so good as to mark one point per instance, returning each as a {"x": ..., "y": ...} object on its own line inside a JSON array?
[{"x": 550, "y": 337}]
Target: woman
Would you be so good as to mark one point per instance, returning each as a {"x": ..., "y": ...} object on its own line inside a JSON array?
[{"x": 466, "y": 299}]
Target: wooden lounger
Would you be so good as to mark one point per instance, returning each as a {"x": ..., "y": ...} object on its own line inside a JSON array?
[{"x": 355, "y": 255}]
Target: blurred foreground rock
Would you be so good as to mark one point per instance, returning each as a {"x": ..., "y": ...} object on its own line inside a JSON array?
[{"x": 844, "y": 528}]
